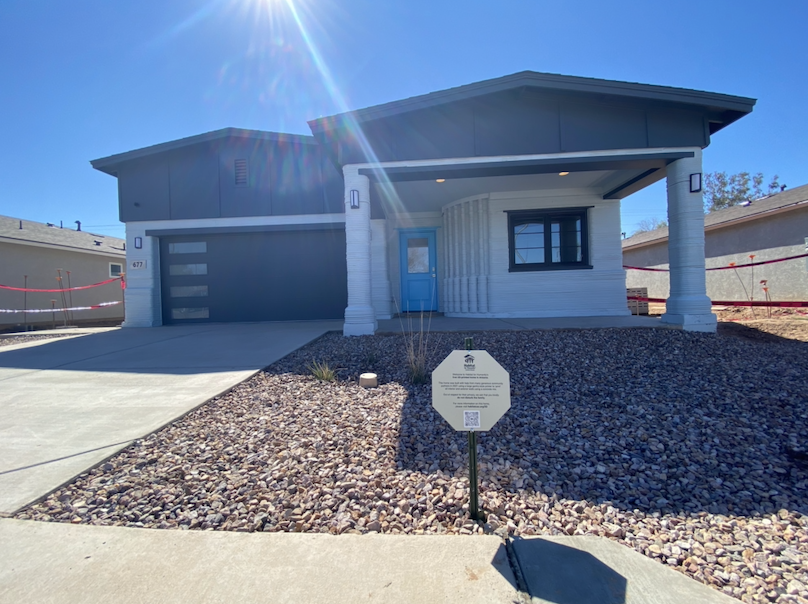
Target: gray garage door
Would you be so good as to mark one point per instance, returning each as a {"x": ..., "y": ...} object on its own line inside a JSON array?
[{"x": 267, "y": 276}]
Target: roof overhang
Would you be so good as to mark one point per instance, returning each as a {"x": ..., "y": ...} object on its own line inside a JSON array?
[
  {"x": 724, "y": 109},
  {"x": 632, "y": 171},
  {"x": 110, "y": 164}
]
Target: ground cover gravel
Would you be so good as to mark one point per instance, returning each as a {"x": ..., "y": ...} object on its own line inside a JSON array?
[
  {"x": 682, "y": 446},
  {"x": 10, "y": 340}
]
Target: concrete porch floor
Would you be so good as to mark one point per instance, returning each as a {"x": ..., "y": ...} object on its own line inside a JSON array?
[{"x": 442, "y": 323}]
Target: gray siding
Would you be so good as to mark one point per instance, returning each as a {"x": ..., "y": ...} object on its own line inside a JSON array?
[
  {"x": 284, "y": 177},
  {"x": 523, "y": 123},
  {"x": 144, "y": 190}
]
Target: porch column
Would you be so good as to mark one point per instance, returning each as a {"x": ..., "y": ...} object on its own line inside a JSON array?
[
  {"x": 360, "y": 318},
  {"x": 688, "y": 304}
]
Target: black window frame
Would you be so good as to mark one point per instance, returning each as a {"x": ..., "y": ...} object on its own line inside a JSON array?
[{"x": 517, "y": 217}]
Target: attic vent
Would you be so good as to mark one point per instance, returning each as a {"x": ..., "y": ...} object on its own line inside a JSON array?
[{"x": 241, "y": 172}]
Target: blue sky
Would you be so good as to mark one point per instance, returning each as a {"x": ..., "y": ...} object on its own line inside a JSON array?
[{"x": 89, "y": 78}]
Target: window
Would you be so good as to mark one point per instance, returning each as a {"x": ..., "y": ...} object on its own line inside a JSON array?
[
  {"x": 190, "y": 313},
  {"x": 188, "y": 247},
  {"x": 189, "y": 291},
  {"x": 115, "y": 270},
  {"x": 540, "y": 240},
  {"x": 187, "y": 269}
]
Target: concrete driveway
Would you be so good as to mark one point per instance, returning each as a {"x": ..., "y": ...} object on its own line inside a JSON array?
[{"x": 67, "y": 404}]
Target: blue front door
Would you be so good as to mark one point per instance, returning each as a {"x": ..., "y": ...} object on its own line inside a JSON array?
[{"x": 419, "y": 283}]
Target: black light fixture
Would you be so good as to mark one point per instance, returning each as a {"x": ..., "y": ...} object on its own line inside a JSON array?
[
  {"x": 138, "y": 243},
  {"x": 695, "y": 182},
  {"x": 354, "y": 199}
]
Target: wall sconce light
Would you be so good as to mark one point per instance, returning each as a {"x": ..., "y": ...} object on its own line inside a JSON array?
[
  {"x": 695, "y": 182},
  {"x": 138, "y": 243},
  {"x": 354, "y": 199}
]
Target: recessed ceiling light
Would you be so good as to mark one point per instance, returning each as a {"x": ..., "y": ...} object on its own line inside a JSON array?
[
  {"x": 440, "y": 180},
  {"x": 563, "y": 173}
]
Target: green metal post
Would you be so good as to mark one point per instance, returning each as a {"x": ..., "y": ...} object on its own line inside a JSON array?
[{"x": 474, "y": 495}]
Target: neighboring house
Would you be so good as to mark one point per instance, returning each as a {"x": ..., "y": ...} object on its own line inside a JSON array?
[
  {"x": 769, "y": 228},
  {"x": 37, "y": 251},
  {"x": 495, "y": 199}
]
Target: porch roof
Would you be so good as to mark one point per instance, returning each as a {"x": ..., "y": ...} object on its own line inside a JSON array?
[{"x": 622, "y": 173}]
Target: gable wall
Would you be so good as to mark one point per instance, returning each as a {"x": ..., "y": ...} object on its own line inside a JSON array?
[
  {"x": 198, "y": 181},
  {"x": 523, "y": 123}
]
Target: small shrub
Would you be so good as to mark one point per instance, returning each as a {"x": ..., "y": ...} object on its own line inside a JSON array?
[
  {"x": 322, "y": 371},
  {"x": 416, "y": 346}
]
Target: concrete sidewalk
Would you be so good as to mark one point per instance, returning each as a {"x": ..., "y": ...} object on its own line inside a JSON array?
[
  {"x": 48, "y": 562},
  {"x": 61, "y": 564},
  {"x": 67, "y": 404},
  {"x": 593, "y": 570}
]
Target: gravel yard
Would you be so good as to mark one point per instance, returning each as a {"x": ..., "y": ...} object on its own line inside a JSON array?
[
  {"x": 679, "y": 445},
  {"x": 10, "y": 340}
]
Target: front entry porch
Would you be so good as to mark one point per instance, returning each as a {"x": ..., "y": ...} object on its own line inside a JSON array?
[{"x": 516, "y": 237}]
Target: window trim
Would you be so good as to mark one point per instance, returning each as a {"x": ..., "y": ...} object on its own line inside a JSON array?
[
  {"x": 111, "y": 274},
  {"x": 516, "y": 217}
]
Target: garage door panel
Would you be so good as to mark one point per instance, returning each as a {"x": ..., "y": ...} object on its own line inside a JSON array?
[{"x": 277, "y": 276}]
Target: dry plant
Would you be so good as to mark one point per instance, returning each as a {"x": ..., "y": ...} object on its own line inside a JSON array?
[
  {"x": 322, "y": 371},
  {"x": 416, "y": 345}
]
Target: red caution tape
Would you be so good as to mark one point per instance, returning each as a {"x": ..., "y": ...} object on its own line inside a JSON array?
[
  {"x": 43, "y": 310},
  {"x": 772, "y": 304},
  {"x": 719, "y": 268},
  {"x": 66, "y": 289}
]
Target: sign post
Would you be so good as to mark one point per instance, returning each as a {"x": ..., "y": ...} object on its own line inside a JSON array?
[{"x": 472, "y": 392}]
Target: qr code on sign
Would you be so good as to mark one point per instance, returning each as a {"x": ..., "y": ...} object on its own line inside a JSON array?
[{"x": 471, "y": 419}]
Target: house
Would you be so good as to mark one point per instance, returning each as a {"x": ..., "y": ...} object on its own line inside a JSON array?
[
  {"x": 763, "y": 230},
  {"x": 32, "y": 255},
  {"x": 495, "y": 199}
]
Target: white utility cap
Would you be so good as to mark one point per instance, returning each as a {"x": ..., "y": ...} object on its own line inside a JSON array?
[{"x": 368, "y": 380}]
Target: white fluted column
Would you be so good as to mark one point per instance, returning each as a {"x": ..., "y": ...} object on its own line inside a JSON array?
[
  {"x": 688, "y": 304},
  {"x": 360, "y": 317}
]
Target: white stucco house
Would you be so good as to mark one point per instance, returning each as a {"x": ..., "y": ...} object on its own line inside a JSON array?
[{"x": 496, "y": 199}]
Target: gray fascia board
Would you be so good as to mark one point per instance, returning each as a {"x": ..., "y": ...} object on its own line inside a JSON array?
[
  {"x": 259, "y": 228},
  {"x": 533, "y": 166},
  {"x": 110, "y": 163},
  {"x": 549, "y": 82}
]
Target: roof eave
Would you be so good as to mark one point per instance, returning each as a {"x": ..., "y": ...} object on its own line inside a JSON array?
[
  {"x": 109, "y": 165},
  {"x": 551, "y": 82}
]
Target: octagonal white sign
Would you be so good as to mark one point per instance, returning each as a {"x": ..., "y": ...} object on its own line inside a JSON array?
[{"x": 471, "y": 390}]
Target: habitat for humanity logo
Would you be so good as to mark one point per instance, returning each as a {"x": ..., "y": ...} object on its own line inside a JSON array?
[{"x": 468, "y": 362}]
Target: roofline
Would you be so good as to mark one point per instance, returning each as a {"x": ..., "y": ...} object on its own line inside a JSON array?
[
  {"x": 108, "y": 253},
  {"x": 720, "y": 225},
  {"x": 548, "y": 81},
  {"x": 108, "y": 164}
]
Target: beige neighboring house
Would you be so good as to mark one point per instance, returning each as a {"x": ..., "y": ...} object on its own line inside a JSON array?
[
  {"x": 769, "y": 228},
  {"x": 38, "y": 251}
]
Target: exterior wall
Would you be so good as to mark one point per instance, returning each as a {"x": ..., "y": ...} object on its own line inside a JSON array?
[
  {"x": 284, "y": 177},
  {"x": 768, "y": 238},
  {"x": 381, "y": 293},
  {"x": 473, "y": 259},
  {"x": 532, "y": 122},
  {"x": 599, "y": 291},
  {"x": 143, "y": 294},
  {"x": 40, "y": 264}
]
